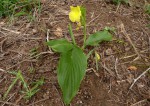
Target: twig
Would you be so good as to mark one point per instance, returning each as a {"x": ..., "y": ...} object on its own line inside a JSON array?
[
  {"x": 130, "y": 41},
  {"x": 8, "y": 99},
  {"x": 3, "y": 33},
  {"x": 2, "y": 42},
  {"x": 116, "y": 68},
  {"x": 117, "y": 8},
  {"x": 42, "y": 53},
  {"x": 133, "y": 54},
  {"x": 2, "y": 79},
  {"x": 96, "y": 73},
  {"x": 136, "y": 104},
  {"x": 8, "y": 103},
  {"x": 59, "y": 95},
  {"x": 17, "y": 101},
  {"x": 2, "y": 70},
  {"x": 149, "y": 45},
  {"x": 109, "y": 71},
  {"x": 20, "y": 63},
  {"x": 38, "y": 101},
  {"x": 16, "y": 32},
  {"x": 47, "y": 35},
  {"x": 110, "y": 86},
  {"x": 47, "y": 39},
  {"x": 135, "y": 80},
  {"x": 93, "y": 19},
  {"x": 33, "y": 60}
]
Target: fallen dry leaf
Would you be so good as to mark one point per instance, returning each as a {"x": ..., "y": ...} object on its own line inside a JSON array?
[
  {"x": 58, "y": 32},
  {"x": 132, "y": 68}
]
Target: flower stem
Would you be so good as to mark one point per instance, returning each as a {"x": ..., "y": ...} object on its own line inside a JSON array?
[
  {"x": 84, "y": 39},
  {"x": 71, "y": 34},
  {"x": 84, "y": 31}
]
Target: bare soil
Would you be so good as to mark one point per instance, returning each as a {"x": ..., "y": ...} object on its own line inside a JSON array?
[{"x": 120, "y": 62}]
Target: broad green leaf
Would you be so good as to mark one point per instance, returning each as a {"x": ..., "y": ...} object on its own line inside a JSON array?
[
  {"x": 71, "y": 70},
  {"x": 60, "y": 45},
  {"x": 98, "y": 37}
]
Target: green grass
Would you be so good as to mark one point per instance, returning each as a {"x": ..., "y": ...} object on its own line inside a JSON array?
[
  {"x": 29, "y": 89},
  {"x": 147, "y": 8},
  {"x": 18, "y": 7}
]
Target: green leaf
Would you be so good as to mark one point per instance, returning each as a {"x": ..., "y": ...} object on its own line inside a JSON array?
[
  {"x": 147, "y": 8},
  {"x": 83, "y": 15},
  {"x": 21, "y": 13},
  {"x": 60, "y": 45},
  {"x": 98, "y": 37},
  {"x": 71, "y": 70}
]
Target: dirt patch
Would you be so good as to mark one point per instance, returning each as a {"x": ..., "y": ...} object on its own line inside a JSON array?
[{"x": 108, "y": 86}]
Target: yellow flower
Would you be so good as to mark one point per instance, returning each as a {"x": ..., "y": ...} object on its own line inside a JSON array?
[
  {"x": 97, "y": 56},
  {"x": 75, "y": 14}
]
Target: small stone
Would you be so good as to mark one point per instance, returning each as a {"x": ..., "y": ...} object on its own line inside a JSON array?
[{"x": 79, "y": 102}]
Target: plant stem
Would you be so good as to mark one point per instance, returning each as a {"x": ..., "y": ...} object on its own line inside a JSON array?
[
  {"x": 71, "y": 34},
  {"x": 84, "y": 31}
]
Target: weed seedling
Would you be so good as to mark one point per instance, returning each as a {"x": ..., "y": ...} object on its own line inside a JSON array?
[
  {"x": 13, "y": 83},
  {"x": 34, "y": 89},
  {"x": 34, "y": 52},
  {"x": 27, "y": 92},
  {"x": 17, "y": 8}
]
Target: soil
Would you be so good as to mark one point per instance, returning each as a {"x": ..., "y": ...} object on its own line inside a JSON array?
[{"x": 120, "y": 62}]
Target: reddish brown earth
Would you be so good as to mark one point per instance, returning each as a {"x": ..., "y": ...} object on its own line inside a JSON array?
[{"x": 108, "y": 86}]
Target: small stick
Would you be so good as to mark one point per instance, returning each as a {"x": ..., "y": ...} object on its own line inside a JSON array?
[
  {"x": 117, "y": 8},
  {"x": 93, "y": 19},
  {"x": 130, "y": 41},
  {"x": 96, "y": 73},
  {"x": 8, "y": 103},
  {"x": 135, "y": 80},
  {"x": 143, "y": 51},
  {"x": 26, "y": 60},
  {"x": 33, "y": 60},
  {"x": 2, "y": 79},
  {"x": 2, "y": 70},
  {"x": 135, "y": 104},
  {"x": 38, "y": 101},
  {"x": 116, "y": 67},
  {"x": 2, "y": 42},
  {"x": 17, "y": 101},
  {"x": 110, "y": 86},
  {"x": 59, "y": 95},
  {"x": 8, "y": 99},
  {"x": 108, "y": 70},
  {"x": 16, "y": 32}
]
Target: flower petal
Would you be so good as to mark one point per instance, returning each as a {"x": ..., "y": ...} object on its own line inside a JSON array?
[{"x": 75, "y": 14}]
